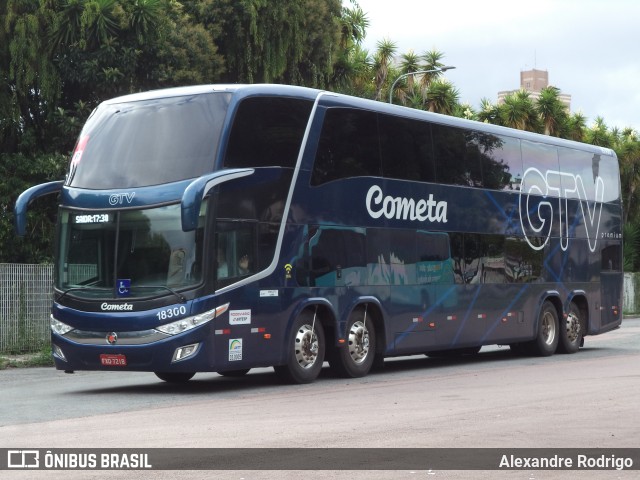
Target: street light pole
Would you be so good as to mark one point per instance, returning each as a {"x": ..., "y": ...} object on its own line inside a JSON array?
[{"x": 419, "y": 72}]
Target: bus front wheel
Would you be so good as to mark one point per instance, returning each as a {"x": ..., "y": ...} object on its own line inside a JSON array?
[
  {"x": 305, "y": 350},
  {"x": 175, "y": 377},
  {"x": 356, "y": 358}
]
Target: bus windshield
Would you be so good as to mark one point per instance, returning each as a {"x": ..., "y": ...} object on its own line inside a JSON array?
[
  {"x": 132, "y": 253},
  {"x": 149, "y": 142}
]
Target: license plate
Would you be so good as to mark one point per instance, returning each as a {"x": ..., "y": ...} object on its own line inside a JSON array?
[{"x": 110, "y": 360}]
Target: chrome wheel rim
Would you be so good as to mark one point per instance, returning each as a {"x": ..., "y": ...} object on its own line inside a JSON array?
[
  {"x": 548, "y": 328},
  {"x": 358, "y": 342},
  {"x": 573, "y": 327},
  {"x": 306, "y": 347}
]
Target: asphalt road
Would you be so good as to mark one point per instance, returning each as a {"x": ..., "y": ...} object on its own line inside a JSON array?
[{"x": 586, "y": 400}]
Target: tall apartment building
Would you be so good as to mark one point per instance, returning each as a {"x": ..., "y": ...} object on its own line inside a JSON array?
[{"x": 533, "y": 81}]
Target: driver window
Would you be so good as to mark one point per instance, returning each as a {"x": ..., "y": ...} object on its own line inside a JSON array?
[{"x": 235, "y": 251}]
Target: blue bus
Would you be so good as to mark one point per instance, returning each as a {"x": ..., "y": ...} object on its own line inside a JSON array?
[{"x": 226, "y": 227}]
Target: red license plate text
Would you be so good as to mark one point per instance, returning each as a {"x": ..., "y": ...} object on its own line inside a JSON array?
[{"x": 110, "y": 360}]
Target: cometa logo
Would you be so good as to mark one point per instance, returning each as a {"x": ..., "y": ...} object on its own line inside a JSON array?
[
  {"x": 116, "y": 307},
  {"x": 402, "y": 208}
]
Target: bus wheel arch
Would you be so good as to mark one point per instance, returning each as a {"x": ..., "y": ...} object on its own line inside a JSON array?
[
  {"x": 305, "y": 346},
  {"x": 573, "y": 325},
  {"x": 361, "y": 348}
]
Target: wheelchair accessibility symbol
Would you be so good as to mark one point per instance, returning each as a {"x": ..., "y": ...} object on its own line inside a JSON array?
[{"x": 124, "y": 285}]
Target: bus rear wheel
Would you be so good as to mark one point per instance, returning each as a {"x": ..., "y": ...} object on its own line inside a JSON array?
[
  {"x": 357, "y": 357},
  {"x": 305, "y": 350},
  {"x": 571, "y": 331},
  {"x": 175, "y": 377},
  {"x": 546, "y": 341}
]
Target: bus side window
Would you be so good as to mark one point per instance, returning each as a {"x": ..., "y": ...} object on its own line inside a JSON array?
[
  {"x": 611, "y": 258},
  {"x": 449, "y": 150},
  {"x": 406, "y": 149},
  {"x": 348, "y": 146}
]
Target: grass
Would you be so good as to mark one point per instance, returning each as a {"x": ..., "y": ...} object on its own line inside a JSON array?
[{"x": 38, "y": 359}]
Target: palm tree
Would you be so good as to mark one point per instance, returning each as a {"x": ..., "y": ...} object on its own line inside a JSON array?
[
  {"x": 576, "y": 127},
  {"x": 518, "y": 111},
  {"x": 409, "y": 62},
  {"x": 353, "y": 63},
  {"x": 599, "y": 134},
  {"x": 431, "y": 62},
  {"x": 353, "y": 27},
  {"x": 489, "y": 112},
  {"x": 442, "y": 97},
  {"x": 382, "y": 64},
  {"x": 552, "y": 112}
]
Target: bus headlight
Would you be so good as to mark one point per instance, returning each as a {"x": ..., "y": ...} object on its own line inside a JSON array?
[
  {"x": 185, "y": 324},
  {"x": 58, "y": 327}
]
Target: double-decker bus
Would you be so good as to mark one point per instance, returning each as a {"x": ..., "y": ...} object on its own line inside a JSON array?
[{"x": 222, "y": 228}]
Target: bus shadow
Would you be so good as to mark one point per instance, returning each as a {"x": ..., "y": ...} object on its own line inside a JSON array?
[{"x": 265, "y": 378}]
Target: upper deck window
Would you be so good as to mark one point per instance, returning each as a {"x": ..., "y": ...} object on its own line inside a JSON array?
[
  {"x": 150, "y": 142},
  {"x": 267, "y": 132}
]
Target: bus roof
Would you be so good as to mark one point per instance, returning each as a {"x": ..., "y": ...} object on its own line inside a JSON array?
[
  {"x": 340, "y": 100},
  {"x": 245, "y": 90}
]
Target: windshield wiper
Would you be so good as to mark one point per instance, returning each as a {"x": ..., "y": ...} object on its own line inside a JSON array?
[
  {"x": 86, "y": 287},
  {"x": 180, "y": 297}
]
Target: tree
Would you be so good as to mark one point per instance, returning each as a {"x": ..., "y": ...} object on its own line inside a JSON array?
[
  {"x": 576, "y": 127},
  {"x": 289, "y": 41},
  {"x": 599, "y": 134},
  {"x": 382, "y": 65},
  {"x": 518, "y": 111},
  {"x": 431, "y": 62},
  {"x": 353, "y": 64},
  {"x": 552, "y": 112},
  {"x": 442, "y": 97},
  {"x": 30, "y": 84},
  {"x": 628, "y": 151}
]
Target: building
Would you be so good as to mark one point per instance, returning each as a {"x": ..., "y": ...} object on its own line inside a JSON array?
[{"x": 533, "y": 81}]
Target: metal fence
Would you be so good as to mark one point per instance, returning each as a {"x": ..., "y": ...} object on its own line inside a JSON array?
[{"x": 25, "y": 305}]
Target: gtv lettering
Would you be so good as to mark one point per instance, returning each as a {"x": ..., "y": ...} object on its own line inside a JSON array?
[
  {"x": 121, "y": 198},
  {"x": 541, "y": 195},
  {"x": 402, "y": 208}
]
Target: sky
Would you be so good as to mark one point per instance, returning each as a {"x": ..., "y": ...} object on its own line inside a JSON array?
[{"x": 591, "y": 48}]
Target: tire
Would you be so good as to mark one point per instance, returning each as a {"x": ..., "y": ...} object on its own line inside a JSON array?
[
  {"x": 175, "y": 377},
  {"x": 235, "y": 373},
  {"x": 546, "y": 341},
  {"x": 357, "y": 357},
  {"x": 305, "y": 350},
  {"x": 571, "y": 331}
]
